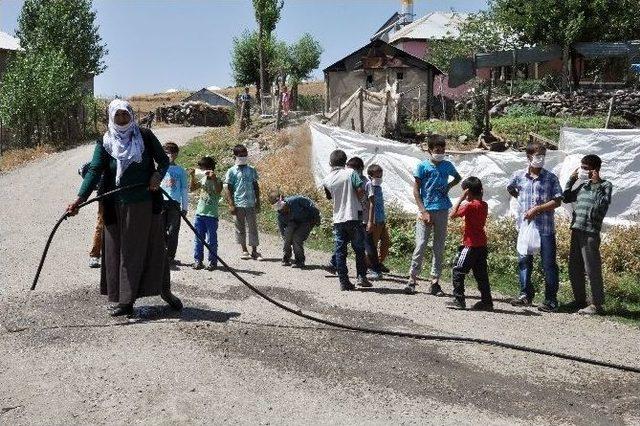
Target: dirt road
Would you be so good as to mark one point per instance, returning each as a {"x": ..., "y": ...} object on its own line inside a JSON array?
[{"x": 231, "y": 357}]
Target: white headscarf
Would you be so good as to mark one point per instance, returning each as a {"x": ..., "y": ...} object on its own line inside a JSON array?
[{"x": 124, "y": 143}]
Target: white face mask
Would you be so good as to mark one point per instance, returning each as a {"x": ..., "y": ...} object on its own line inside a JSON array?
[
  {"x": 278, "y": 205},
  {"x": 438, "y": 157},
  {"x": 242, "y": 161},
  {"x": 584, "y": 174},
  {"x": 123, "y": 128},
  {"x": 376, "y": 181},
  {"x": 537, "y": 162}
]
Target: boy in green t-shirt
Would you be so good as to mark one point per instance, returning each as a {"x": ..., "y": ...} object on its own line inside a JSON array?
[{"x": 206, "y": 221}]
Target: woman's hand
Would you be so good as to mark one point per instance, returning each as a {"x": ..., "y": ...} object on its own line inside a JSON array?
[
  {"x": 154, "y": 182},
  {"x": 72, "y": 209}
]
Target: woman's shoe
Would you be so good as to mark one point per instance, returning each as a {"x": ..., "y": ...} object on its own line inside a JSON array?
[
  {"x": 122, "y": 309},
  {"x": 172, "y": 301}
]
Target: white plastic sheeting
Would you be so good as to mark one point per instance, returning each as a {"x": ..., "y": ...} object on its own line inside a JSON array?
[{"x": 619, "y": 150}]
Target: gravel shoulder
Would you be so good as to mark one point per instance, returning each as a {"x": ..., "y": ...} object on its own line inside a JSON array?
[{"x": 232, "y": 357}]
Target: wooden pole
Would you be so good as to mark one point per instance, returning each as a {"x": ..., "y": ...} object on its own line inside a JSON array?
[
  {"x": 430, "y": 79},
  {"x": 513, "y": 71},
  {"x": 606, "y": 124},
  {"x": 339, "y": 110},
  {"x": 353, "y": 123},
  {"x": 487, "y": 104},
  {"x": 327, "y": 94},
  {"x": 361, "y": 110},
  {"x": 419, "y": 104},
  {"x": 386, "y": 111}
]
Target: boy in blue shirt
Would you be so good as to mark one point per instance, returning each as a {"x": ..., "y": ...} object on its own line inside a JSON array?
[
  {"x": 176, "y": 183},
  {"x": 243, "y": 196},
  {"x": 431, "y": 192}
]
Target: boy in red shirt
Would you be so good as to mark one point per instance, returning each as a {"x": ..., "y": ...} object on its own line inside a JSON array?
[{"x": 473, "y": 251}]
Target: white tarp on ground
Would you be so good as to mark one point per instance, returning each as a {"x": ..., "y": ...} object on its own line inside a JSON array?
[{"x": 619, "y": 150}]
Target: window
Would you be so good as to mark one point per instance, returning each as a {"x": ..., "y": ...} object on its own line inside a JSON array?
[
  {"x": 399, "y": 76},
  {"x": 369, "y": 81}
]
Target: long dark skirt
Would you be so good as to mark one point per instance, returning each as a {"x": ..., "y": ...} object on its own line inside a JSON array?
[{"x": 134, "y": 260}]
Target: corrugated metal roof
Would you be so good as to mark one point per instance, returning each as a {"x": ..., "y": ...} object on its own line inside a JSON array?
[
  {"x": 433, "y": 26},
  {"x": 8, "y": 42}
]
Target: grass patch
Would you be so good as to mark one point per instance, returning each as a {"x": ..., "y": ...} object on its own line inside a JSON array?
[
  {"x": 14, "y": 158},
  {"x": 286, "y": 168}
]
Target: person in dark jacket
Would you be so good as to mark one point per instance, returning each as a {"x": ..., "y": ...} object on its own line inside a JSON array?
[
  {"x": 134, "y": 259},
  {"x": 297, "y": 215}
]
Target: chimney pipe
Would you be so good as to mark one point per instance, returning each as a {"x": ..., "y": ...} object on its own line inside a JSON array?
[{"x": 406, "y": 12}]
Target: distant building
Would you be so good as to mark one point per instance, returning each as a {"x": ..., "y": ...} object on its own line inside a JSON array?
[
  {"x": 373, "y": 67},
  {"x": 8, "y": 47},
  {"x": 209, "y": 97}
]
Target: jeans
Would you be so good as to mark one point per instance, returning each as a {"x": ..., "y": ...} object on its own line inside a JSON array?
[
  {"x": 171, "y": 211},
  {"x": 549, "y": 266},
  {"x": 439, "y": 220},
  {"x": 471, "y": 259},
  {"x": 373, "y": 261},
  {"x": 206, "y": 227},
  {"x": 584, "y": 257},
  {"x": 295, "y": 234},
  {"x": 345, "y": 233}
]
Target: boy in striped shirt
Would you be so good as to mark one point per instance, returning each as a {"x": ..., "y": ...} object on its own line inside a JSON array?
[{"x": 592, "y": 196}]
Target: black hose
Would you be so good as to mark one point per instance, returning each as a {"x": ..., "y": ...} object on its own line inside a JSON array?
[
  {"x": 301, "y": 314},
  {"x": 65, "y": 216}
]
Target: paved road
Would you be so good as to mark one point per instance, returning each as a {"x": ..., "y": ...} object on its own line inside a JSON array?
[{"x": 231, "y": 357}]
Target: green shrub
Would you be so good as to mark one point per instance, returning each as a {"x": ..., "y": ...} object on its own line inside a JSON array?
[{"x": 520, "y": 110}]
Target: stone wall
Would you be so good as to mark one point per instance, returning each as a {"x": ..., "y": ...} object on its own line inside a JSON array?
[{"x": 195, "y": 114}]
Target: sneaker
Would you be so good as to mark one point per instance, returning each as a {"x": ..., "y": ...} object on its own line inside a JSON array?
[
  {"x": 286, "y": 263},
  {"x": 363, "y": 282},
  {"x": 257, "y": 256},
  {"x": 521, "y": 300},
  {"x": 457, "y": 303},
  {"x": 573, "y": 306},
  {"x": 245, "y": 255},
  {"x": 297, "y": 265},
  {"x": 94, "y": 262},
  {"x": 482, "y": 306},
  {"x": 346, "y": 286},
  {"x": 212, "y": 266},
  {"x": 384, "y": 269},
  {"x": 374, "y": 276},
  {"x": 197, "y": 265},
  {"x": 436, "y": 290},
  {"x": 548, "y": 306},
  {"x": 410, "y": 288},
  {"x": 591, "y": 310}
]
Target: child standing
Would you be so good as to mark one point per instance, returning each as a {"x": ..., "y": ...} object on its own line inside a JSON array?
[
  {"x": 431, "y": 192},
  {"x": 297, "y": 215},
  {"x": 376, "y": 226},
  {"x": 244, "y": 201},
  {"x": 592, "y": 197},
  {"x": 96, "y": 245},
  {"x": 176, "y": 183},
  {"x": 206, "y": 221},
  {"x": 345, "y": 188},
  {"x": 538, "y": 193},
  {"x": 472, "y": 255}
]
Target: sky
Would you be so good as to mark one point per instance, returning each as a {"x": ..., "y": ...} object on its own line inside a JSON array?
[{"x": 156, "y": 45}]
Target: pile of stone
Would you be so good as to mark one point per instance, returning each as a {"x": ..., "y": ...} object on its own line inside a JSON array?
[
  {"x": 556, "y": 104},
  {"x": 194, "y": 113}
]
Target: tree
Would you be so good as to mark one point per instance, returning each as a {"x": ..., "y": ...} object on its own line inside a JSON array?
[
  {"x": 303, "y": 57},
  {"x": 565, "y": 22},
  {"x": 478, "y": 32},
  {"x": 65, "y": 25},
  {"x": 38, "y": 93},
  {"x": 245, "y": 63},
  {"x": 267, "y": 13}
]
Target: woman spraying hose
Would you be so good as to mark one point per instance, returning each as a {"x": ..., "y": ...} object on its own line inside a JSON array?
[{"x": 134, "y": 260}]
